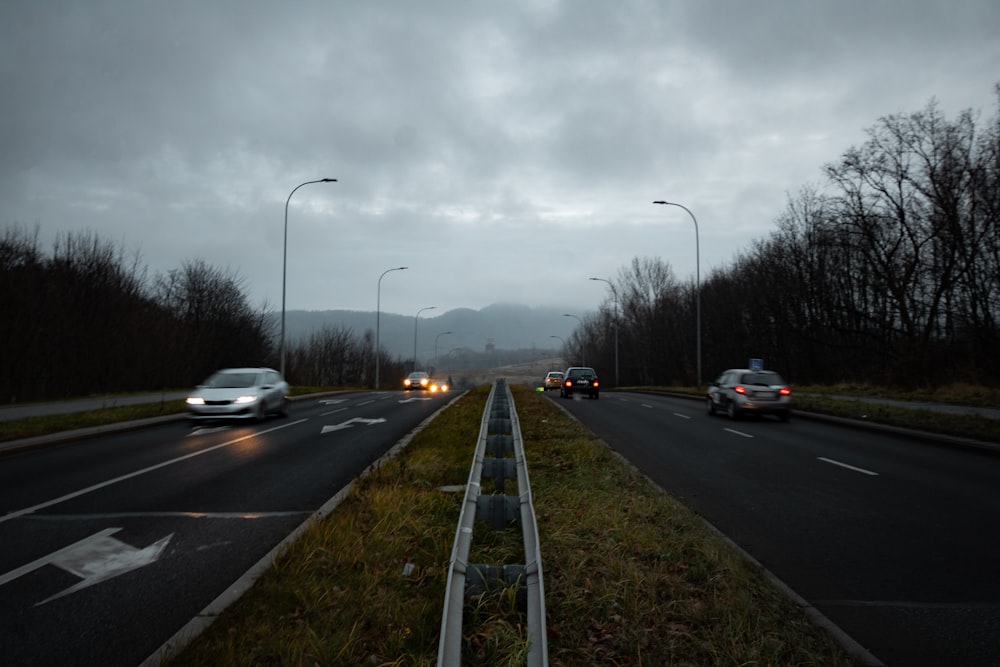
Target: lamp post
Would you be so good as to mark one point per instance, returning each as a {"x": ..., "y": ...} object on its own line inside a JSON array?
[
  {"x": 583, "y": 347},
  {"x": 443, "y": 333},
  {"x": 284, "y": 265},
  {"x": 415, "y": 320},
  {"x": 697, "y": 278},
  {"x": 615, "y": 293},
  {"x": 378, "y": 312}
]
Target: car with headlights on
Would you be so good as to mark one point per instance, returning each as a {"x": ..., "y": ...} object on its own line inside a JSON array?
[
  {"x": 742, "y": 391},
  {"x": 553, "y": 380},
  {"x": 417, "y": 380},
  {"x": 239, "y": 393},
  {"x": 580, "y": 380}
]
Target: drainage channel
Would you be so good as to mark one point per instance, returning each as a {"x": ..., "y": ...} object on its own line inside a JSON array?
[{"x": 499, "y": 456}]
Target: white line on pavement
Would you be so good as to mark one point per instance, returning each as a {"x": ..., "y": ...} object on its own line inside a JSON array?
[
  {"x": 849, "y": 467},
  {"x": 69, "y": 496}
]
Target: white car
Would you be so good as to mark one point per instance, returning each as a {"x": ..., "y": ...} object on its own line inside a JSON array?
[
  {"x": 553, "y": 380},
  {"x": 240, "y": 393}
]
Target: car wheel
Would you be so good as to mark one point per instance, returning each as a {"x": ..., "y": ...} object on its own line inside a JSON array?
[
  {"x": 711, "y": 406},
  {"x": 732, "y": 411},
  {"x": 259, "y": 413},
  {"x": 597, "y": 395},
  {"x": 283, "y": 410}
]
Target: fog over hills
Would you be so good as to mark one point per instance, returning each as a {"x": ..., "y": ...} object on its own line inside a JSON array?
[{"x": 507, "y": 326}]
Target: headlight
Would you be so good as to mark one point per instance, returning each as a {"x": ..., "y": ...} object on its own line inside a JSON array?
[
  {"x": 245, "y": 399},
  {"x": 195, "y": 400}
]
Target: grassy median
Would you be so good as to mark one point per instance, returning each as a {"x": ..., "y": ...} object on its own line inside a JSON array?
[{"x": 631, "y": 576}]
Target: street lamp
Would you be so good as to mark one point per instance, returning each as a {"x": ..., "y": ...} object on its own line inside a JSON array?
[
  {"x": 443, "y": 333},
  {"x": 583, "y": 347},
  {"x": 615, "y": 293},
  {"x": 697, "y": 278},
  {"x": 415, "y": 319},
  {"x": 284, "y": 266},
  {"x": 378, "y": 312}
]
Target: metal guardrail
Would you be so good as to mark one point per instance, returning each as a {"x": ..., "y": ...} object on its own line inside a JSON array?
[{"x": 499, "y": 435}]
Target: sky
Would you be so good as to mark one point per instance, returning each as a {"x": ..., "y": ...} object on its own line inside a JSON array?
[{"x": 502, "y": 151}]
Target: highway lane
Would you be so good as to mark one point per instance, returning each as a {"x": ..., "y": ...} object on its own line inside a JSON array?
[
  {"x": 894, "y": 540},
  {"x": 111, "y": 544}
]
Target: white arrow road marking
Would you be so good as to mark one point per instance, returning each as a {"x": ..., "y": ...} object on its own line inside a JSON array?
[
  {"x": 332, "y": 401},
  {"x": 351, "y": 422},
  {"x": 94, "y": 559}
]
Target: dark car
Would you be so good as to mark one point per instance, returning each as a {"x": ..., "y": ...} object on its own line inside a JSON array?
[
  {"x": 417, "y": 380},
  {"x": 580, "y": 380},
  {"x": 740, "y": 391}
]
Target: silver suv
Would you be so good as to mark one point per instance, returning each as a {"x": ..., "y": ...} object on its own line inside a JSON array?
[{"x": 740, "y": 391}]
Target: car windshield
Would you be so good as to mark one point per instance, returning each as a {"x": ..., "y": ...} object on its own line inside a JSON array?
[
  {"x": 766, "y": 378},
  {"x": 231, "y": 380},
  {"x": 582, "y": 373}
]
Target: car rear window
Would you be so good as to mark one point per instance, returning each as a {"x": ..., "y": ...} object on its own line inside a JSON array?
[{"x": 767, "y": 379}]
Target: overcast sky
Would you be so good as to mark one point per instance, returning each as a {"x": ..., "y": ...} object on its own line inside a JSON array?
[{"x": 503, "y": 151}]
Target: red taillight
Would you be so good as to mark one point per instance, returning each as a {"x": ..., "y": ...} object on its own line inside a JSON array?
[
  {"x": 595, "y": 383},
  {"x": 785, "y": 391},
  {"x": 740, "y": 389},
  {"x": 568, "y": 383}
]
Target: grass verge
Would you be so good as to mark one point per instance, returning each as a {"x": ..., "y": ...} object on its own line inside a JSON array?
[
  {"x": 631, "y": 576},
  {"x": 29, "y": 427}
]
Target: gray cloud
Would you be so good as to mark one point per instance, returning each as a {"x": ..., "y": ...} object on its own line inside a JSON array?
[{"x": 506, "y": 152}]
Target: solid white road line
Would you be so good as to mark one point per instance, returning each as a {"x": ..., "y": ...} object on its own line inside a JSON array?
[
  {"x": 849, "y": 467},
  {"x": 76, "y": 494}
]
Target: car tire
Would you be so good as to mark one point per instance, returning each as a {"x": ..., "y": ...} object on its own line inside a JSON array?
[
  {"x": 733, "y": 411},
  {"x": 259, "y": 413},
  {"x": 283, "y": 411},
  {"x": 711, "y": 407}
]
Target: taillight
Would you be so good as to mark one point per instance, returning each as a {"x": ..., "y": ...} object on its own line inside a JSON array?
[
  {"x": 785, "y": 391},
  {"x": 568, "y": 383},
  {"x": 740, "y": 389},
  {"x": 595, "y": 383}
]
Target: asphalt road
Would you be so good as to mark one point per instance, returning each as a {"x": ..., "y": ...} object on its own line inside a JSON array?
[
  {"x": 113, "y": 543},
  {"x": 893, "y": 539}
]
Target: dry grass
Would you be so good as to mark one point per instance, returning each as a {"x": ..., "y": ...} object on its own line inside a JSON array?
[{"x": 631, "y": 577}]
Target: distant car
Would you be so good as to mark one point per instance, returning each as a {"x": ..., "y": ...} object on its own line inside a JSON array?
[
  {"x": 239, "y": 393},
  {"x": 740, "y": 391},
  {"x": 580, "y": 380},
  {"x": 553, "y": 380},
  {"x": 438, "y": 385},
  {"x": 417, "y": 380}
]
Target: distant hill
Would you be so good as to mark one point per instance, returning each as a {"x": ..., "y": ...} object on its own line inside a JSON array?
[{"x": 507, "y": 326}]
